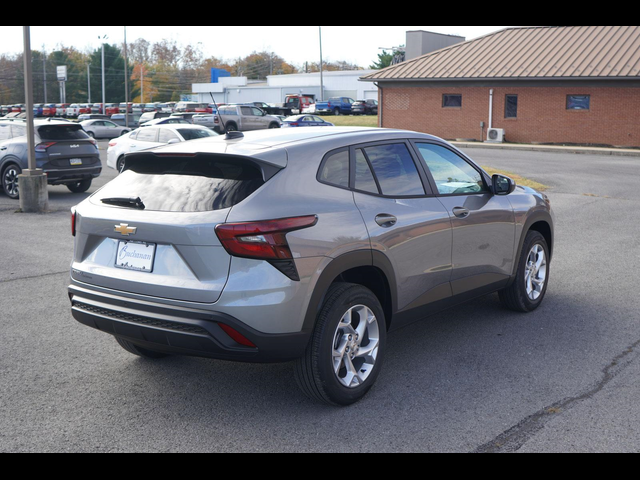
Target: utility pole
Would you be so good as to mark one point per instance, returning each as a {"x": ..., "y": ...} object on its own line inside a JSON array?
[
  {"x": 126, "y": 81},
  {"x": 104, "y": 102},
  {"x": 32, "y": 183},
  {"x": 88, "y": 82},
  {"x": 44, "y": 72},
  {"x": 321, "y": 83}
]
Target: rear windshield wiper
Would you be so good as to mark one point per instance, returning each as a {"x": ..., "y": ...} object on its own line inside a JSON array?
[{"x": 125, "y": 202}]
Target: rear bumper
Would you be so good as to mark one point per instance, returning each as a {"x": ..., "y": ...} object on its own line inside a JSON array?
[
  {"x": 180, "y": 331},
  {"x": 59, "y": 176}
]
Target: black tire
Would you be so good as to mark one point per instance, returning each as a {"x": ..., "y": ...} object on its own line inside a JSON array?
[
  {"x": 231, "y": 127},
  {"x": 316, "y": 373},
  {"x": 120, "y": 164},
  {"x": 10, "y": 180},
  {"x": 336, "y": 112},
  {"x": 274, "y": 125},
  {"x": 79, "y": 187},
  {"x": 517, "y": 297},
  {"x": 139, "y": 351}
]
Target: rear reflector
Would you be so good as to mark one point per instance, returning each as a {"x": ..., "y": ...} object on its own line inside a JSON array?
[{"x": 236, "y": 336}]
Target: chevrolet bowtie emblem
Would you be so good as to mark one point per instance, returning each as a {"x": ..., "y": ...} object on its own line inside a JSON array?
[{"x": 125, "y": 229}]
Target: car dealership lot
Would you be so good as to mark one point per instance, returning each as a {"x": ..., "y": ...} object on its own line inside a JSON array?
[{"x": 474, "y": 378}]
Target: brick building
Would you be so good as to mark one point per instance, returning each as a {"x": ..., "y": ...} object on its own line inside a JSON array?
[{"x": 552, "y": 85}]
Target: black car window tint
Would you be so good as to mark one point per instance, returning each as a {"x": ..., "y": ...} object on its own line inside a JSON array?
[
  {"x": 395, "y": 170},
  {"x": 335, "y": 169},
  {"x": 364, "y": 178}
]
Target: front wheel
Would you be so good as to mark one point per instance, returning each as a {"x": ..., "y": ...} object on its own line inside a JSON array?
[
  {"x": 345, "y": 354},
  {"x": 530, "y": 285}
]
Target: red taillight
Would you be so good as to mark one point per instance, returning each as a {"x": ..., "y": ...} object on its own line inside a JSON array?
[
  {"x": 42, "y": 147},
  {"x": 113, "y": 143},
  {"x": 73, "y": 221},
  {"x": 262, "y": 240}
]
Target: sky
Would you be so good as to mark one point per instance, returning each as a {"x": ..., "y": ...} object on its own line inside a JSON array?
[{"x": 359, "y": 45}]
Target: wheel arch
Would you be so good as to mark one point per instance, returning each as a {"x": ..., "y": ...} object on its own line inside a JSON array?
[
  {"x": 368, "y": 268},
  {"x": 541, "y": 222}
]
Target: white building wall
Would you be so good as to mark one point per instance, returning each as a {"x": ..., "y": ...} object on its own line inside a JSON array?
[{"x": 238, "y": 90}]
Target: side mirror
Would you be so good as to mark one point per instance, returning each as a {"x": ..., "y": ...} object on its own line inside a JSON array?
[{"x": 502, "y": 185}]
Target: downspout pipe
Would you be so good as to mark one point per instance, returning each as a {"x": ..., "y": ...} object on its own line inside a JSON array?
[
  {"x": 380, "y": 109},
  {"x": 491, "y": 108}
]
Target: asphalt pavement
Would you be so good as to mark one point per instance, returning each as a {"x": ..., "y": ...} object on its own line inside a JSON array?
[{"x": 476, "y": 378}]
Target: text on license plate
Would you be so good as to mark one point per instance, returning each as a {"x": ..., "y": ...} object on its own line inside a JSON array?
[
  {"x": 75, "y": 161},
  {"x": 136, "y": 256}
]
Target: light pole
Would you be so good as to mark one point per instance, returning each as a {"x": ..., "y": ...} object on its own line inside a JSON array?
[
  {"x": 32, "y": 182},
  {"x": 104, "y": 102}
]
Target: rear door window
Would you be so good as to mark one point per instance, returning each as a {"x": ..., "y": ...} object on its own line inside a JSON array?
[{"x": 395, "y": 170}]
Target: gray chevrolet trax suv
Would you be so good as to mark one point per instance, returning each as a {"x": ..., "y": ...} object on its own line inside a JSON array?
[{"x": 301, "y": 244}]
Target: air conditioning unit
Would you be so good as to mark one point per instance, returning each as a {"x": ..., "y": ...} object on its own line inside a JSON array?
[{"x": 495, "y": 135}]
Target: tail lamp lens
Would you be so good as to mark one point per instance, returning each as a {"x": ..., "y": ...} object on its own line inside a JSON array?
[
  {"x": 265, "y": 240},
  {"x": 73, "y": 221},
  {"x": 42, "y": 147}
]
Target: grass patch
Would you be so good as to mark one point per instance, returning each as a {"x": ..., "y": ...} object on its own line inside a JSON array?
[
  {"x": 352, "y": 120},
  {"x": 525, "y": 182}
]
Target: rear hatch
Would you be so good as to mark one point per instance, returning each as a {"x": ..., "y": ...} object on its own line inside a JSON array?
[
  {"x": 151, "y": 231},
  {"x": 66, "y": 145}
]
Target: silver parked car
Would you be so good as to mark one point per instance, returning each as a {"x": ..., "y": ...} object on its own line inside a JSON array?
[
  {"x": 302, "y": 244},
  {"x": 103, "y": 128}
]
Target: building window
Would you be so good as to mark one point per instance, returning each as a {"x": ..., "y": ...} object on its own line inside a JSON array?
[
  {"x": 451, "y": 101},
  {"x": 578, "y": 102},
  {"x": 511, "y": 106}
]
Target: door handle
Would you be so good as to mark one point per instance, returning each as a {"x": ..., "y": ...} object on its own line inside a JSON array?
[
  {"x": 385, "y": 220},
  {"x": 461, "y": 212}
]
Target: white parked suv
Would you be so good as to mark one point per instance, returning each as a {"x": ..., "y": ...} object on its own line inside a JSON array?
[{"x": 150, "y": 137}]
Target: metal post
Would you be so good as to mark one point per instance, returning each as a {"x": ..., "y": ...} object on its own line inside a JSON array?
[
  {"x": 88, "y": 83},
  {"x": 32, "y": 183},
  {"x": 321, "y": 84},
  {"x": 126, "y": 82},
  {"x": 104, "y": 102}
]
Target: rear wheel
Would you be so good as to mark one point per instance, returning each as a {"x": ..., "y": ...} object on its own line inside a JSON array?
[
  {"x": 10, "y": 180},
  {"x": 139, "y": 351},
  {"x": 80, "y": 187},
  {"x": 345, "y": 354}
]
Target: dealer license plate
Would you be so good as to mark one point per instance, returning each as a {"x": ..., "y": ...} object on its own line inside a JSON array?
[{"x": 136, "y": 256}]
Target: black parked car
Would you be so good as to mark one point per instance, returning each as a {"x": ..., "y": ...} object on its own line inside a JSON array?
[
  {"x": 364, "y": 107},
  {"x": 63, "y": 150}
]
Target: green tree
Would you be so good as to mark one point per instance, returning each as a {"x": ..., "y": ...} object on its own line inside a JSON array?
[
  {"x": 384, "y": 60},
  {"x": 114, "y": 75}
]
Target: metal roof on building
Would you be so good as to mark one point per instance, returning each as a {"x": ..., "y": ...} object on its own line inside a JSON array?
[{"x": 611, "y": 52}]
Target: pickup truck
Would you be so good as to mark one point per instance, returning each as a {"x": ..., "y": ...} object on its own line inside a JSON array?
[
  {"x": 293, "y": 105},
  {"x": 242, "y": 118},
  {"x": 335, "y": 105}
]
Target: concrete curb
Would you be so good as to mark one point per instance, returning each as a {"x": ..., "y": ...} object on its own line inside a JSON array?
[{"x": 625, "y": 152}]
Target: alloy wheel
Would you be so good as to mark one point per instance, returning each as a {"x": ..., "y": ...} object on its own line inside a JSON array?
[
  {"x": 10, "y": 181},
  {"x": 355, "y": 346},
  {"x": 535, "y": 274}
]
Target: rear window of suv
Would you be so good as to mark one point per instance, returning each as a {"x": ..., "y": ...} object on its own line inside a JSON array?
[
  {"x": 184, "y": 184},
  {"x": 62, "y": 132}
]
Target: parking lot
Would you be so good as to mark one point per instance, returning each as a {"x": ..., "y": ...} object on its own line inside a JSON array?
[{"x": 477, "y": 378}]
